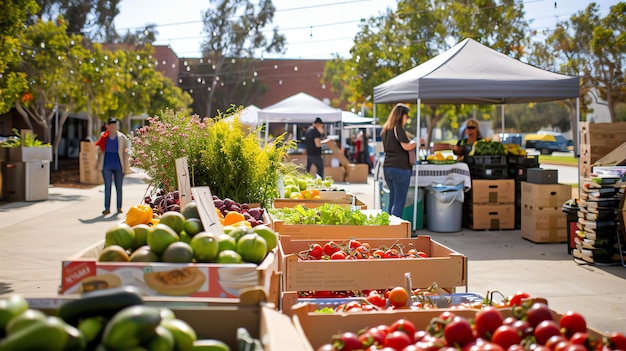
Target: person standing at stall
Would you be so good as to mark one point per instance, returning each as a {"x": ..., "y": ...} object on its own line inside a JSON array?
[
  {"x": 472, "y": 134},
  {"x": 397, "y": 168},
  {"x": 314, "y": 141},
  {"x": 112, "y": 147}
]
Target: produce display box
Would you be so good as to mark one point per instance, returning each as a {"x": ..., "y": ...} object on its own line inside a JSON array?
[
  {"x": 218, "y": 318},
  {"x": 485, "y": 191},
  {"x": 356, "y": 173},
  {"x": 346, "y": 199},
  {"x": 544, "y": 225},
  {"x": 489, "y": 216},
  {"x": 337, "y": 174},
  {"x": 318, "y": 328},
  {"x": 545, "y": 195},
  {"x": 528, "y": 161},
  {"x": 397, "y": 228},
  {"x": 493, "y": 160},
  {"x": 482, "y": 171},
  {"x": 444, "y": 266},
  {"x": 207, "y": 280}
]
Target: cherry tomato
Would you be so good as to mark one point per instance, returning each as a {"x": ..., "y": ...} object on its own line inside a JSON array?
[
  {"x": 573, "y": 322},
  {"x": 505, "y": 336},
  {"x": 458, "y": 332},
  {"x": 338, "y": 255},
  {"x": 538, "y": 313},
  {"x": 326, "y": 347},
  {"x": 353, "y": 244},
  {"x": 316, "y": 251},
  {"x": 487, "y": 321},
  {"x": 397, "y": 340},
  {"x": 579, "y": 338},
  {"x": 546, "y": 329},
  {"x": 523, "y": 328},
  {"x": 378, "y": 253},
  {"x": 391, "y": 253},
  {"x": 330, "y": 248},
  {"x": 404, "y": 325},
  {"x": 555, "y": 340},
  {"x": 482, "y": 345},
  {"x": 516, "y": 299},
  {"x": 398, "y": 296},
  {"x": 347, "y": 341},
  {"x": 376, "y": 299},
  {"x": 618, "y": 341},
  {"x": 377, "y": 335}
]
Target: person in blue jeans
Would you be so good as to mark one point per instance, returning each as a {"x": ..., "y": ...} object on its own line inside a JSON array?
[
  {"x": 112, "y": 149},
  {"x": 397, "y": 168}
]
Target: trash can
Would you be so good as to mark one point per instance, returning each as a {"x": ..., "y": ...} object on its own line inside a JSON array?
[
  {"x": 570, "y": 208},
  {"x": 444, "y": 207},
  {"x": 409, "y": 208}
]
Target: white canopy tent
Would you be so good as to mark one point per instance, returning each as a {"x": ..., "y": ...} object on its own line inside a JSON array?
[
  {"x": 472, "y": 73},
  {"x": 352, "y": 118}
]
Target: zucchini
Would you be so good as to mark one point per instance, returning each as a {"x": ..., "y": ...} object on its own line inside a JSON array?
[{"x": 105, "y": 303}]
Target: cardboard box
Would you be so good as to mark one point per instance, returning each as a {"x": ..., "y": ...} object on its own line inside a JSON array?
[
  {"x": 218, "y": 318},
  {"x": 538, "y": 196},
  {"x": 486, "y": 191},
  {"x": 89, "y": 174},
  {"x": 444, "y": 266},
  {"x": 349, "y": 200},
  {"x": 603, "y": 134},
  {"x": 397, "y": 228},
  {"x": 544, "y": 225},
  {"x": 338, "y": 153},
  {"x": 490, "y": 216},
  {"x": 542, "y": 176},
  {"x": 357, "y": 173},
  {"x": 336, "y": 173},
  {"x": 216, "y": 280},
  {"x": 88, "y": 147},
  {"x": 318, "y": 328}
]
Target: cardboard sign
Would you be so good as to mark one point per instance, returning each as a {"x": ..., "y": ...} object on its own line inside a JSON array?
[
  {"x": 206, "y": 209},
  {"x": 184, "y": 183}
]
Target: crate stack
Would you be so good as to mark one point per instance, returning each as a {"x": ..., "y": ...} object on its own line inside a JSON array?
[
  {"x": 597, "y": 140},
  {"x": 488, "y": 166},
  {"x": 596, "y": 237},
  {"x": 542, "y": 218},
  {"x": 490, "y": 204},
  {"x": 518, "y": 171}
]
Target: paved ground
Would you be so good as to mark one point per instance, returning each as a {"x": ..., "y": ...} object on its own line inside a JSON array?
[{"x": 37, "y": 236}]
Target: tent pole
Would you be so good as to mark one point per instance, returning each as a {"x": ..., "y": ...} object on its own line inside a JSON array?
[
  {"x": 376, "y": 170},
  {"x": 416, "y": 194},
  {"x": 502, "y": 113},
  {"x": 577, "y": 147}
]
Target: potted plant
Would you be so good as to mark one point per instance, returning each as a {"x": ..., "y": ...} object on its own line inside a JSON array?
[{"x": 26, "y": 147}]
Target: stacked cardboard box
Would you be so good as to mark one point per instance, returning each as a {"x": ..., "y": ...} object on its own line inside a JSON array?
[
  {"x": 490, "y": 204},
  {"x": 543, "y": 220},
  {"x": 596, "y": 237},
  {"x": 87, "y": 164},
  {"x": 597, "y": 140},
  {"x": 518, "y": 171}
]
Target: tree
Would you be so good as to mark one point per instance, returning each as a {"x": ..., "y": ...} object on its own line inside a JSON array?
[
  {"x": 235, "y": 34},
  {"x": 12, "y": 83},
  {"x": 93, "y": 19},
  {"x": 395, "y": 42}
]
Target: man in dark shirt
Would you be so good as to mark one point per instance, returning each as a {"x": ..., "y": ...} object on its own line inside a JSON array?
[{"x": 314, "y": 141}]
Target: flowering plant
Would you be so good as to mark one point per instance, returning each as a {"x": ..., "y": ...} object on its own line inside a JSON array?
[{"x": 221, "y": 154}]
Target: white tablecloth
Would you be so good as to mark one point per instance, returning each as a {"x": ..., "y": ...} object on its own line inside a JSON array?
[{"x": 428, "y": 173}]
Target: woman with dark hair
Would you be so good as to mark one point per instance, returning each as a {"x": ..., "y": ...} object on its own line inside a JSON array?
[{"x": 397, "y": 168}]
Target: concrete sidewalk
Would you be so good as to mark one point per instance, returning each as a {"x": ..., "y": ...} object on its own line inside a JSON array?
[{"x": 37, "y": 236}]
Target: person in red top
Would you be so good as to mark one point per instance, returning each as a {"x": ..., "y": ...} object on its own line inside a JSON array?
[{"x": 112, "y": 147}]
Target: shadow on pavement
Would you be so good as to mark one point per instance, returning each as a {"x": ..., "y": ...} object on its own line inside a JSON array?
[{"x": 116, "y": 217}]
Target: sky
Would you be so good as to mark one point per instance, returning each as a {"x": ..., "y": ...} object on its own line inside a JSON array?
[{"x": 315, "y": 29}]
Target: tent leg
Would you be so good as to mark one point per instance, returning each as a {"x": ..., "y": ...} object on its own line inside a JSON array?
[{"x": 415, "y": 167}]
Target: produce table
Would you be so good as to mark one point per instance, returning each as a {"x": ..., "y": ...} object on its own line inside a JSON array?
[{"x": 431, "y": 173}]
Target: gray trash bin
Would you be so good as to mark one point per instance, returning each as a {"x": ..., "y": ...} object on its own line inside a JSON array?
[{"x": 444, "y": 207}]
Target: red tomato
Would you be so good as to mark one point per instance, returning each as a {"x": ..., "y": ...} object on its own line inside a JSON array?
[
  {"x": 376, "y": 299},
  {"x": 347, "y": 341},
  {"x": 422, "y": 254},
  {"x": 338, "y": 255},
  {"x": 330, "y": 248},
  {"x": 458, "y": 332},
  {"x": 391, "y": 253},
  {"x": 561, "y": 345},
  {"x": 353, "y": 244},
  {"x": 316, "y": 251},
  {"x": 573, "y": 322},
  {"x": 397, "y": 340},
  {"x": 538, "y": 313},
  {"x": 576, "y": 347},
  {"x": 506, "y": 336},
  {"x": 516, "y": 347},
  {"x": 398, "y": 296},
  {"x": 487, "y": 321},
  {"x": 377, "y": 335},
  {"x": 482, "y": 345},
  {"x": 555, "y": 340},
  {"x": 523, "y": 328},
  {"x": 404, "y": 325},
  {"x": 378, "y": 253},
  {"x": 326, "y": 347},
  {"x": 618, "y": 341},
  {"x": 546, "y": 329},
  {"x": 579, "y": 338},
  {"x": 431, "y": 344},
  {"x": 516, "y": 299}
]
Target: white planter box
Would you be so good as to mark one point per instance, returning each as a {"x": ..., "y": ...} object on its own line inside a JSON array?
[{"x": 25, "y": 154}]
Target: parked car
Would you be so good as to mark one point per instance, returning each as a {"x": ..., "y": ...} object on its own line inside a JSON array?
[{"x": 547, "y": 143}]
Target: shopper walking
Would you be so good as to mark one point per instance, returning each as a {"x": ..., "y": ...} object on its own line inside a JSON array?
[
  {"x": 397, "y": 167},
  {"x": 112, "y": 147},
  {"x": 314, "y": 141}
]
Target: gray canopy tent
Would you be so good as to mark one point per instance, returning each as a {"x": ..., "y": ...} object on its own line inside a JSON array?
[{"x": 472, "y": 73}]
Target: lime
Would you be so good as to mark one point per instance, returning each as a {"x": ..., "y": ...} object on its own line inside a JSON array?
[
  {"x": 229, "y": 256},
  {"x": 178, "y": 252}
]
